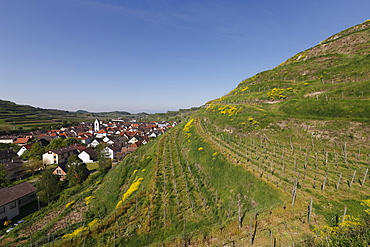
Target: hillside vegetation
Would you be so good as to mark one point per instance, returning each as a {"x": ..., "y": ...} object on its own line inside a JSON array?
[{"x": 281, "y": 160}]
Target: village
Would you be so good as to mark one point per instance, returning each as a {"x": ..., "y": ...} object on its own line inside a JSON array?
[{"x": 115, "y": 139}]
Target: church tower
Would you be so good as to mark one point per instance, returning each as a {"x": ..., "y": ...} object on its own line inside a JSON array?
[{"x": 96, "y": 125}]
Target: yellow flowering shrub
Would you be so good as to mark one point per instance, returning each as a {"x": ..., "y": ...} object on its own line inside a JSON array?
[
  {"x": 93, "y": 223},
  {"x": 79, "y": 230},
  {"x": 244, "y": 89},
  {"x": 229, "y": 110},
  {"x": 70, "y": 204},
  {"x": 276, "y": 93},
  {"x": 187, "y": 127},
  {"x": 367, "y": 204},
  {"x": 8, "y": 222},
  {"x": 348, "y": 227},
  {"x": 75, "y": 233},
  {"x": 89, "y": 199},
  {"x": 210, "y": 107},
  {"x": 348, "y": 223},
  {"x": 133, "y": 187},
  {"x": 252, "y": 120}
]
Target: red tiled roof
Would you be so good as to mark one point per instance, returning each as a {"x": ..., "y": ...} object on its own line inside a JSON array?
[
  {"x": 78, "y": 147},
  {"x": 21, "y": 140},
  {"x": 28, "y": 146}
]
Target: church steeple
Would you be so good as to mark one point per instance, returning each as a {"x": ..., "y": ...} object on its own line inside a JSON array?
[{"x": 96, "y": 125}]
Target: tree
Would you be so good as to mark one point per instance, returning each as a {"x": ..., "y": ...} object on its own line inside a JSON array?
[
  {"x": 55, "y": 143},
  {"x": 70, "y": 141},
  {"x": 3, "y": 176},
  {"x": 61, "y": 142},
  {"x": 48, "y": 186},
  {"x": 33, "y": 165},
  {"x": 6, "y": 146},
  {"x": 76, "y": 170},
  {"x": 103, "y": 159},
  {"x": 35, "y": 152}
]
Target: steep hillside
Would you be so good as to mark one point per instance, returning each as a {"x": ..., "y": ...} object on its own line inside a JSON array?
[{"x": 281, "y": 160}]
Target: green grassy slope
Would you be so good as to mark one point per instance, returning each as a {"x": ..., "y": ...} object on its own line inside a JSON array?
[{"x": 242, "y": 169}]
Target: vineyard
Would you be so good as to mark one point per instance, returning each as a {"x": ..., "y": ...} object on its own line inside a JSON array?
[
  {"x": 306, "y": 169},
  {"x": 202, "y": 184}
]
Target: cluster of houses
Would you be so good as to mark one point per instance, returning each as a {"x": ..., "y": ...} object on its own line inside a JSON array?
[{"x": 119, "y": 137}]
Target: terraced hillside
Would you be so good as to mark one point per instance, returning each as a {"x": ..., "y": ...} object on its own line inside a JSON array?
[
  {"x": 281, "y": 160},
  {"x": 14, "y": 116}
]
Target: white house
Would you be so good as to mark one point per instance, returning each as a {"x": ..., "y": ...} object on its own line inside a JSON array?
[
  {"x": 58, "y": 155},
  {"x": 111, "y": 151},
  {"x": 84, "y": 139},
  {"x": 133, "y": 140},
  {"x": 101, "y": 133},
  {"x": 88, "y": 155},
  {"x": 7, "y": 139},
  {"x": 23, "y": 149},
  {"x": 108, "y": 140},
  {"x": 96, "y": 142},
  {"x": 12, "y": 198}
]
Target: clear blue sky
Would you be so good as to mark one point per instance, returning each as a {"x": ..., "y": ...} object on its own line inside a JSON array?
[{"x": 153, "y": 55}]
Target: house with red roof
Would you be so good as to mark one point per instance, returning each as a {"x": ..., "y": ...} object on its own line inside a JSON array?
[
  {"x": 101, "y": 133},
  {"x": 22, "y": 141}
]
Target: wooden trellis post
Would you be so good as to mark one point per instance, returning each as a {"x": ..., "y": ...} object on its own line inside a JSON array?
[
  {"x": 291, "y": 145},
  {"x": 344, "y": 212},
  {"x": 345, "y": 152},
  {"x": 338, "y": 183},
  {"x": 309, "y": 211},
  {"x": 323, "y": 185},
  {"x": 365, "y": 175},
  {"x": 305, "y": 160},
  {"x": 251, "y": 229},
  {"x": 294, "y": 192},
  {"x": 295, "y": 163},
  {"x": 239, "y": 212},
  {"x": 353, "y": 178}
]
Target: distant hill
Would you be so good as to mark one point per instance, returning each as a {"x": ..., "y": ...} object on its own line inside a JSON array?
[
  {"x": 82, "y": 112},
  {"x": 14, "y": 116},
  {"x": 112, "y": 114},
  {"x": 281, "y": 160}
]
